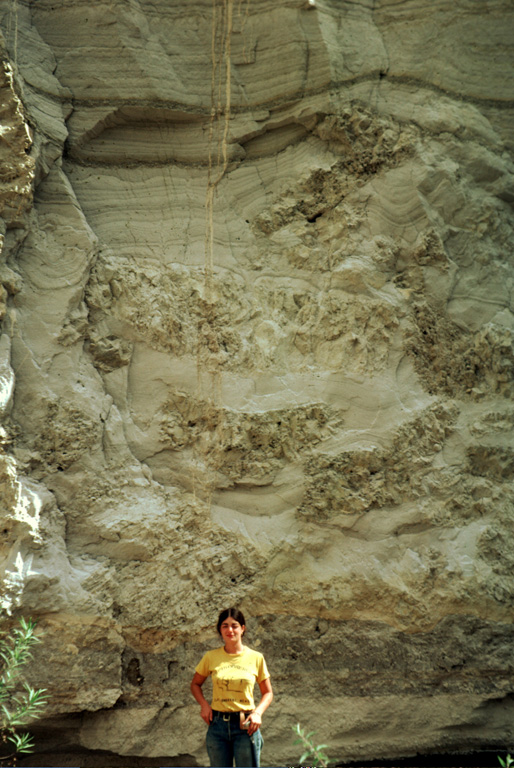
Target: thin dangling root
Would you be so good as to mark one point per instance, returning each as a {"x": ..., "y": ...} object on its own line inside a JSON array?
[
  {"x": 219, "y": 56},
  {"x": 208, "y": 346}
]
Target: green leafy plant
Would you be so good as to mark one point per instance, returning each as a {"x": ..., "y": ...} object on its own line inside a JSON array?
[
  {"x": 18, "y": 708},
  {"x": 314, "y": 754},
  {"x": 507, "y": 762}
]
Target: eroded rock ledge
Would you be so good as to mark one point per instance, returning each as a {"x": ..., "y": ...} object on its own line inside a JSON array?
[{"x": 314, "y": 420}]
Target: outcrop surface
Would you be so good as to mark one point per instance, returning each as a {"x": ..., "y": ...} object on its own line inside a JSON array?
[{"x": 257, "y": 316}]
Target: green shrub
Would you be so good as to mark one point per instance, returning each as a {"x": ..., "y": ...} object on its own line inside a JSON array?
[
  {"x": 18, "y": 708},
  {"x": 315, "y": 755}
]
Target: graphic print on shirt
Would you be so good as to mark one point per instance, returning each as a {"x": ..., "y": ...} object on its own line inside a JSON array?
[
  {"x": 232, "y": 685},
  {"x": 234, "y": 682}
]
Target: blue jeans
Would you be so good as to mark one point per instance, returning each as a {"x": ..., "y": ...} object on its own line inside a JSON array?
[{"x": 227, "y": 742}]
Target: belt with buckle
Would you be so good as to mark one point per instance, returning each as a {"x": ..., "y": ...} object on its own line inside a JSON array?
[{"x": 228, "y": 717}]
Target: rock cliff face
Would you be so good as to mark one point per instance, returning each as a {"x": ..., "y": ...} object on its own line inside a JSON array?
[{"x": 257, "y": 349}]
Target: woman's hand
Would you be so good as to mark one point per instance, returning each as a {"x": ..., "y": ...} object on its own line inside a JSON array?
[
  {"x": 254, "y": 719},
  {"x": 196, "y": 689},
  {"x": 206, "y": 712}
]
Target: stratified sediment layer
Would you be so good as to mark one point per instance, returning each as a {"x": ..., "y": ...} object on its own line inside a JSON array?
[{"x": 313, "y": 419}]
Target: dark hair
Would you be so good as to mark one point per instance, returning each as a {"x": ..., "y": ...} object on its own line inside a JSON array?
[{"x": 234, "y": 613}]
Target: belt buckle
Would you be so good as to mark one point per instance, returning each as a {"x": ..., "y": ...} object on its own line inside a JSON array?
[{"x": 226, "y": 717}]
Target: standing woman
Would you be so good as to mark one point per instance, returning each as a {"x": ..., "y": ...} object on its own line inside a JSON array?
[{"x": 233, "y": 719}]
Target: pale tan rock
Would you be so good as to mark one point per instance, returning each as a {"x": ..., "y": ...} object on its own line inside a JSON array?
[{"x": 311, "y": 419}]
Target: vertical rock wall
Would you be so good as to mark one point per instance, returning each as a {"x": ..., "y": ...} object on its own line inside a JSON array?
[{"x": 312, "y": 420}]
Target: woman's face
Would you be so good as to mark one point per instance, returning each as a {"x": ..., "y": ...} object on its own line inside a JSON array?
[{"x": 231, "y": 630}]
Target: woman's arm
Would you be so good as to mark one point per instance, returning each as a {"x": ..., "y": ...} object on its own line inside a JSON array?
[
  {"x": 255, "y": 718},
  {"x": 196, "y": 689}
]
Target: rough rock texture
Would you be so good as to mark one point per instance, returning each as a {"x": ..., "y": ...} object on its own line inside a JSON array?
[{"x": 312, "y": 418}]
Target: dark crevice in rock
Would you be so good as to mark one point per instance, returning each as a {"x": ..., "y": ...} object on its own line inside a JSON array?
[
  {"x": 480, "y": 759},
  {"x": 78, "y": 758}
]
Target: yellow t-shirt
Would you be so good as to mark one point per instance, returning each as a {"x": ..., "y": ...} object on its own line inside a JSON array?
[{"x": 233, "y": 677}]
